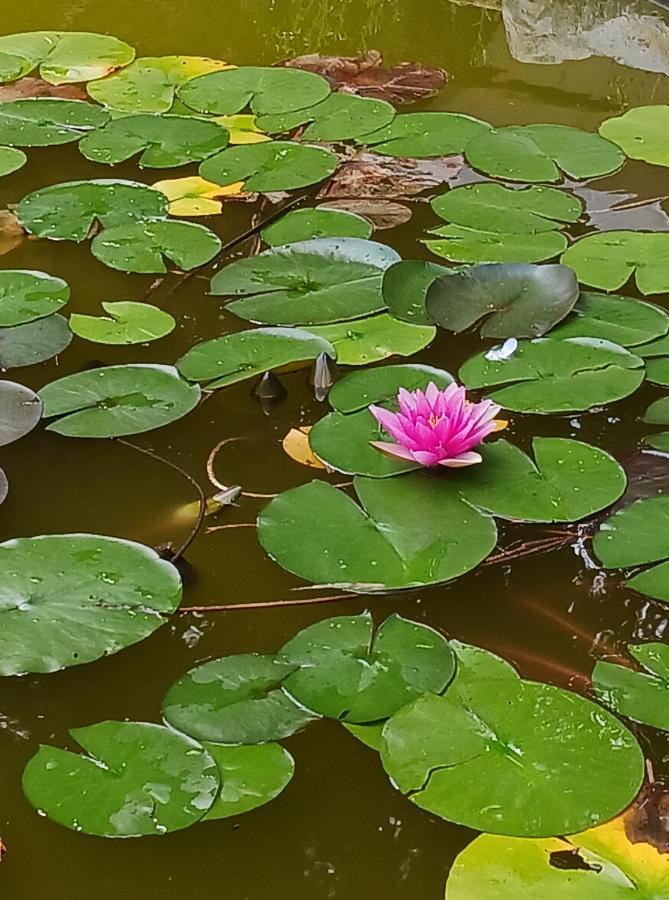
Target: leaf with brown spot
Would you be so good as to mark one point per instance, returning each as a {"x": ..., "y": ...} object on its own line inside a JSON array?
[
  {"x": 36, "y": 87},
  {"x": 372, "y": 176},
  {"x": 647, "y": 820},
  {"x": 11, "y": 233},
  {"x": 296, "y": 445},
  {"x": 381, "y": 213}
]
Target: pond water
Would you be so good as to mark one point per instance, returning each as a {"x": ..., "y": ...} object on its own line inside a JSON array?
[{"x": 340, "y": 830}]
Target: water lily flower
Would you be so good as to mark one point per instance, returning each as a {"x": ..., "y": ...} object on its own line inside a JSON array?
[{"x": 437, "y": 427}]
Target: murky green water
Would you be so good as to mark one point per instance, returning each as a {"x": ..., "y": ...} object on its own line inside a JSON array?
[{"x": 340, "y": 830}]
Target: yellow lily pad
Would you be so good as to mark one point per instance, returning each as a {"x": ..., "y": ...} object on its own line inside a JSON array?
[
  {"x": 193, "y": 196},
  {"x": 243, "y": 129}
]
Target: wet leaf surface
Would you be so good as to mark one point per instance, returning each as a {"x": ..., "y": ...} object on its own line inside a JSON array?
[
  {"x": 250, "y": 776},
  {"x": 425, "y": 134},
  {"x": 306, "y": 224},
  {"x": 62, "y": 57},
  {"x": 33, "y": 342},
  {"x": 609, "y": 260},
  {"x": 45, "y": 122},
  {"x": 27, "y": 295},
  {"x": 638, "y": 694},
  {"x": 270, "y": 166},
  {"x": 466, "y": 245},
  {"x": 126, "y": 322},
  {"x": 340, "y": 117},
  {"x": 622, "y": 320},
  {"x": 640, "y": 133},
  {"x": 375, "y": 338},
  {"x": 143, "y": 247}
]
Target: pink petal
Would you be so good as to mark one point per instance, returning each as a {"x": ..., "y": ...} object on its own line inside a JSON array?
[
  {"x": 393, "y": 450},
  {"x": 464, "y": 459},
  {"x": 425, "y": 458},
  {"x": 388, "y": 421}
]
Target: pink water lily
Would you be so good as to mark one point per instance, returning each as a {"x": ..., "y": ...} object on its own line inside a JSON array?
[{"x": 437, "y": 428}]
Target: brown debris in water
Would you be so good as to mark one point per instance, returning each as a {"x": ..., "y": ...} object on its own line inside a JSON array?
[
  {"x": 647, "y": 820},
  {"x": 35, "y": 87}
]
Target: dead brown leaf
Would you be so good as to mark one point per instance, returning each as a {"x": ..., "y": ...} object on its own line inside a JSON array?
[
  {"x": 296, "y": 445},
  {"x": 381, "y": 213},
  {"x": 647, "y": 820},
  {"x": 35, "y": 87},
  {"x": 11, "y": 233},
  {"x": 366, "y": 76},
  {"x": 371, "y": 176},
  {"x": 3, "y": 849}
]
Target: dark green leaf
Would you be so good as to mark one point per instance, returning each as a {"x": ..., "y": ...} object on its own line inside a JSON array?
[
  {"x": 609, "y": 259},
  {"x": 28, "y": 295},
  {"x": 405, "y": 286},
  {"x": 466, "y": 245},
  {"x": 639, "y": 695},
  {"x": 306, "y": 224},
  {"x": 140, "y": 247},
  {"x": 270, "y": 166},
  {"x": 369, "y": 340},
  {"x": 20, "y": 411},
  {"x": 250, "y": 777},
  {"x": 34, "y": 342},
  {"x": 46, "y": 121},
  {"x": 622, "y": 320},
  {"x": 11, "y": 160},
  {"x": 339, "y": 117},
  {"x": 425, "y": 134}
]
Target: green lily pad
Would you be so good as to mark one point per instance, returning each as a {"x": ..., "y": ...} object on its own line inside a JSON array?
[
  {"x": 535, "y": 153},
  {"x": 34, "y": 342},
  {"x": 28, "y": 295},
  {"x": 20, "y": 411},
  {"x": 267, "y": 90},
  {"x": 307, "y": 224},
  {"x": 609, "y": 259},
  {"x": 340, "y": 117},
  {"x": 307, "y": 283},
  {"x": 150, "y": 83},
  {"x": 658, "y": 412},
  {"x": 658, "y": 347},
  {"x": 369, "y": 340},
  {"x": 164, "y": 141},
  {"x": 236, "y": 700},
  {"x": 405, "y": 286},
  {"x": 657, "y": 371},
  {"x": 347, "y": 672},
  {"x": 250, "y": 777},
  {"x": 417, "y": 135},
  {"x": 569, "y": 481},
  {"x": 502, "y": 745},
  {"x": 270, "y": 166},
  {"x": 137, "y": 779},
  {"x": 47, "y": 122},
  {"x": 525, "y": 300},
  {"x": 467, "y": 245},
  {"x": 69, "y": 599},
  {"x": 63, "y": 57},
  {"x": 408, "y": 532},
  {"x": 11, "y": 160},
  {"x": 68, "y": 211},
  {"x": 641, "y": 133},
  {"x": 636, "y": 535},
  {"x": 494, "y": 208},
  {"x": 117, "y": 400},
  {"x": 658, "y": 441},
  {"x": 125, "y": 323},
  {"x": 610, "y": 317},
  {"x": 141, "y": 246},
  {"x": 357, "y": 390},
  {"x": 246, "y": 354},
  {"x": 544, "y": 375},
  {"x": 369, "y": 735},
  {"x": 640, "y": 695}
]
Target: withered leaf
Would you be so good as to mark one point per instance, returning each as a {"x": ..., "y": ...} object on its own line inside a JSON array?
[
  {"x": 35, "y": 87},
  {"x": 647, "y": 820},
  {"x": 381, "y": 213},
  {"x": 372, "y": 176},
  {"x": 296, "y": 445},
  {"x": 11, "y": 233}
]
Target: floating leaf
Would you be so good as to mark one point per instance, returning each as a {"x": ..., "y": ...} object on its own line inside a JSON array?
[
  {"x": 410, "y": 531},
  {"x": 137, "y": 779},
  {"x": 466, "y": 245},
  {"x": 344, "y": 671},
  {"x": 525, "y": 300},
  {"x": 380, "y": 214},
  {"x": 425, "y": 134},
  {"x": 622, "y": 320},
  {"x": 657, "y": 371},
  {"x": 164, "y": 141},
  {"x": 140, "y": 247},
  {"x": 62, "y": 57},
  {"x": 243, "y": 129},
  {"x": 296, "y": 445},
  {"x": 609, "y": 259},
  {"x": 69, "y": 211},
  {"x": 125, "y": 323},
  {"x": 149, "y": 85},
  {"x": 542, "y": 153},
  {"x": 250, "y": 776},
  {"x": 27, "y": 295},
  {"x": 640, "y": 695},
  {"x": 492, "y": 207},
  {"x": 340, "y": 117},
  {"x": 272, "y": 166},
  {"x": 405, "y": 286},
  {"x": 20, "y": 411},
  {"x": 11, "y": 233},
  {"x": 306, "y": 224},
  {"x": 369, "y": 340},
  {"x": 36, "y": 87},
  {"x": 44, "y": 122},
  {"x": 267, "y": 90},
  {"x": 357, "y": 390},
  {"x": 87, "y": 596},
  {"x": 247, "y": 354},
  {"x": 659, "y": 441},
  {"x": 641, "y": 133},
  {"x": 34, "y": 342},
  {"x": 547, "y": 375},
  {"x": 658, "y": 414},
  {"x": 659, "y": 347},
  {"x": 117, "y": 400},
  {"x": 11, "y": 160},
  {"x": 370, "y": 176},
  {"x": 236, "y": 700},
  {"x": 307, "y": 283},
  {"x": 193, "y": 196}
]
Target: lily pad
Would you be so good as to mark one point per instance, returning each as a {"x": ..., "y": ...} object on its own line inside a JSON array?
[
  {"x": 544, "y": 375},
  {"x": 63, "y": 57},
  {"x": 11, "y": 160},
  {"x": 270, "y": 166},
  {"x": 525, "y": 300},
  {"x": 369, "y": 340},
  {"x": 20, "y": 411},
  {"x": 408, "y": 532},
  {"x": 535, "y": 153},
  {"x": 164, "y": 141},
  {"x": 347, "y": 672},
  {"x": 502, "y": 745},
  {"x": 494, "y": 208},
  {"x": 193, "y": 196},
  {"x": 46, "y": 122},
  {"x": 622, "y": 320},
  {"x": 236, "y": 700},
  {"x": 141, "y": 246},
  {"x": 247, "y": 354},
  {"x": 417, "y": 135},
  {"x": 641, "y": 133},
  {"x": 306, "y": 224},
  {"x": 28, "y": 295},
  {"x": 125, "y": 323},
  {"x": 34, "y": 342},
  {"x": 69, "y": 211},
  {"x": 149, "y": 84},
  {"x": 250, "y": 777},
  {"x": 339, "y": 117},
  {"x": 117, "y": 400},
  {"x": 137, "y": 779},
  {"x": 405, "y": 286},
  {"x": 467, "y": 245},
  {"x": 267, "y": 90},
  {"x": 357, "y": 390},
  {"x": 609, "y": 259},
  {"x": 659, "y": 441},
  {"x": 243, "y": 129},
  {"x": 69, "y": 599},
  {"x": 308, "y": 282},
  {"x": 657, "y": 371},
  {"x": 640, "y": 695}
]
